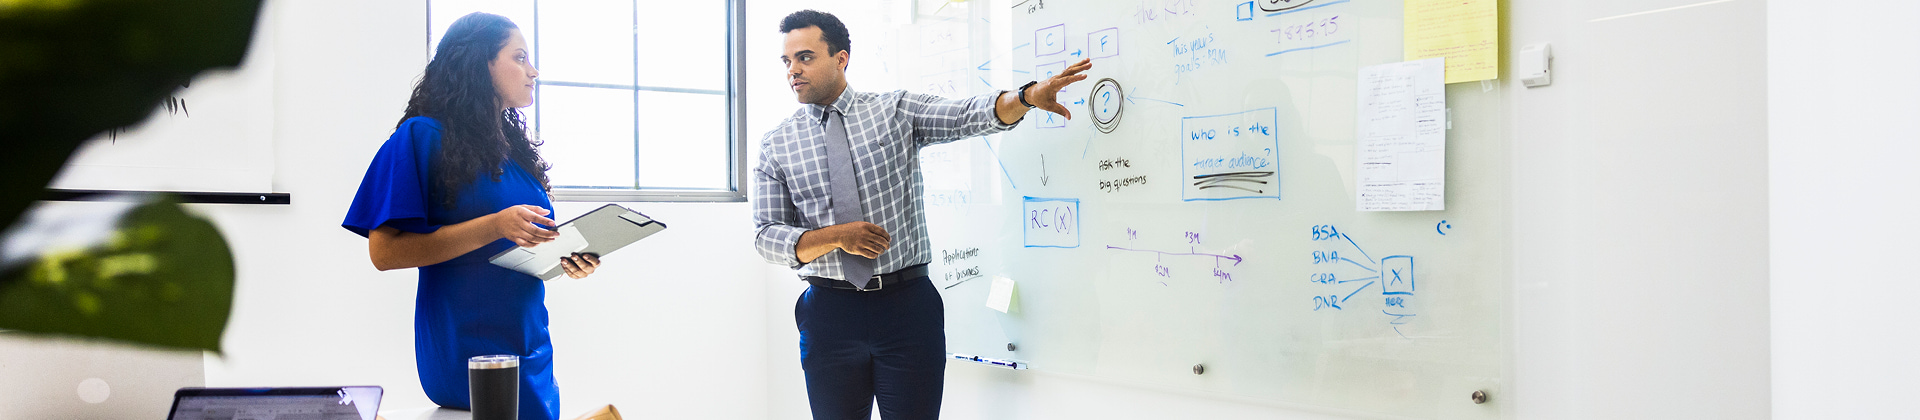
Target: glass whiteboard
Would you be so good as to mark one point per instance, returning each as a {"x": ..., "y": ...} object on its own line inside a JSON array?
[{"x": 1128, "y": 270}]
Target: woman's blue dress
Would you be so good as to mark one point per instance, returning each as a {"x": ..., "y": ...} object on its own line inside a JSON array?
[{"x": 465, "y": 306}]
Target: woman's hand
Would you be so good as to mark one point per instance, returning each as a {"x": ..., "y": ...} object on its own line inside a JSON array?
[
  {"x": 392, "y": 249},
  {"x": 580, "y": 266},
  {"x": 517, "y": 224}
]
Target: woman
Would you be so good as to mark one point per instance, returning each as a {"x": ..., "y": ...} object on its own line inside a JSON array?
[{"x": 458, "y": 182}]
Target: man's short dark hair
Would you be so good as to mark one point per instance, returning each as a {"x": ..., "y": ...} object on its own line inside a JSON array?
[{"x": 831, "y": 30}]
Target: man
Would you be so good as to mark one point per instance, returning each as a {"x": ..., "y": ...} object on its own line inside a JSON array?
[{"x": 837, "y": 197}]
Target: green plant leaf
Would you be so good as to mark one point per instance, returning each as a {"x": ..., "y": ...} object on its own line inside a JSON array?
[
  {"x": 164, "y": 277},
  {"x": 73, "y": 69}
]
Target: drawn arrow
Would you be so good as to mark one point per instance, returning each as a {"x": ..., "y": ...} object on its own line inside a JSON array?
[
  {"x": 1079, "y": 101},
  {"x": 1043, "y": 174},
  {"x": 1363, "y": 252},
  {"x": 1130, "y": 98},
  {"x": 1076, "y": 53},
  {"x": 1235, "y": 257},
  {"x": 996, "y": 159},
  {"x": 1357, "y": 264}
]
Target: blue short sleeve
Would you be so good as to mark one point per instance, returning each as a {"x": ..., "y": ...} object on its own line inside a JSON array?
[{"x": 394, "y": 191}]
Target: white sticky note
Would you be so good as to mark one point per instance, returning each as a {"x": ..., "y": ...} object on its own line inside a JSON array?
[{"x": 1000, "y": 296}]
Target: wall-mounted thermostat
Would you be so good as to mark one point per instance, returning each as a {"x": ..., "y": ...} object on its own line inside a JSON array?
[{"x": 1536, "y": 65}]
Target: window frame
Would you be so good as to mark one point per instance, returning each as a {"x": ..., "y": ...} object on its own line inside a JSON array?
[{"x": 736, "y": 160}]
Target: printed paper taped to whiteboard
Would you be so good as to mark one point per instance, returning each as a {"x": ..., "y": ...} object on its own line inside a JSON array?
[{"x": 1403, "y": 136}]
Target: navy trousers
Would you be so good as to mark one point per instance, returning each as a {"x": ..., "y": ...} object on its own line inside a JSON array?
[{"x": 888, "y": 345}]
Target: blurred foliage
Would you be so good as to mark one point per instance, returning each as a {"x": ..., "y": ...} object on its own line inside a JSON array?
[
  {"x": 72, "y": 69},
  {"x": 164, "y": 277}
]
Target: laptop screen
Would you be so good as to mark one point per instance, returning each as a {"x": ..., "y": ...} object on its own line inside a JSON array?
[{"x": 329, "y": 403}]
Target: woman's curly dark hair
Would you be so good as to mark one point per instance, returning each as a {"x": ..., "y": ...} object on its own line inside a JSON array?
[{"x": 458, "y": 91}]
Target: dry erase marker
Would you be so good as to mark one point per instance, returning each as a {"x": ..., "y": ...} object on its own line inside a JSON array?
[{"x": 1009, "y": 364}]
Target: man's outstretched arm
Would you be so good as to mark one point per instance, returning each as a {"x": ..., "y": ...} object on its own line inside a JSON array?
[{"x": 1041, "y": 95}]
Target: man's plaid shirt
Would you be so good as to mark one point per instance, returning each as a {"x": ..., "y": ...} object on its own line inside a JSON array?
[{"x": 791, "y": 194}]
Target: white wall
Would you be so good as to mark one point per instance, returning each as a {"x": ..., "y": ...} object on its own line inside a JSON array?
[
  {"x": 1640, "y": 212},
  {"x": 1843, "y": 145},
  {"x": 673, "y": 327}
]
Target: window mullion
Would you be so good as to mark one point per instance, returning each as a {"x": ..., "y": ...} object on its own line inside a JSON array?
[{"x": 633, "y": 32}]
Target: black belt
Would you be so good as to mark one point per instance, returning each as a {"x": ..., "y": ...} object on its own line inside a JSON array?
[{"x": 880, "y": 281}]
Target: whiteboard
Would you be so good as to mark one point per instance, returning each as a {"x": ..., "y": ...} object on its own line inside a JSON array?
[
  {"x": 1127, "y": 271},
  {"x": 216, "y": 136}
]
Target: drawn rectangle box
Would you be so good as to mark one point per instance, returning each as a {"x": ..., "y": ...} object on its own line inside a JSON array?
[
  {"x": 1041, "y": 72},
  {"x": 1396, "y": 275},
  {"x": 1230, "y": 156},
  {"x": 1103, "y": 43},
  {"x": 1050, "y": 222},
  {"x": 1050, "y": 40}
]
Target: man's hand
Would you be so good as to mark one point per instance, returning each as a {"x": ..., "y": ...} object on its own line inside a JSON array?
[
  {"x": 857, "y": 238},
  {"x": 1043, "y": 94},
  {"x": 861, "y": 238},
  {"x": 517, "y": 224}
]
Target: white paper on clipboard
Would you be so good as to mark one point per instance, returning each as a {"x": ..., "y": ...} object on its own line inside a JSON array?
[{"x": 599, "y": 232}]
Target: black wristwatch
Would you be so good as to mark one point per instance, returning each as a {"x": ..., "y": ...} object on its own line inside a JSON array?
[{"x": 1023, "y": 93}]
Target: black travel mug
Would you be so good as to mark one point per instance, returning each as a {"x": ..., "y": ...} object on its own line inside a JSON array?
[{"x": 493, "y": 387}]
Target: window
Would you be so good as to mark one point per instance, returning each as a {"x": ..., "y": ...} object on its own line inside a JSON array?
[{"x": 637, "y": 100}]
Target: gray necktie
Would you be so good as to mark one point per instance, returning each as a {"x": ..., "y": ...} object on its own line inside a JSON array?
[{"x": 846, "y": 195}]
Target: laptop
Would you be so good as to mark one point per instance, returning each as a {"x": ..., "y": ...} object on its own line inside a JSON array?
[{"x": 316, "y": 403}]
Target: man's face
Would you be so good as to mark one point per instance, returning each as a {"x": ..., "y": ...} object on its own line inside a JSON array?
[{"x": 815, "y": 77}]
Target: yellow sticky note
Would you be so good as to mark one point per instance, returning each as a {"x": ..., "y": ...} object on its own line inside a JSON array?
[{"x": 1466, "y": 32}]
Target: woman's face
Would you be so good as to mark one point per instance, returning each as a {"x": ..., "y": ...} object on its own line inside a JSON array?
[{"x": 513, "y": 72}]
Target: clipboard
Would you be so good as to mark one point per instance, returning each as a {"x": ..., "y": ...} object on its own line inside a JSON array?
[{"x": 599, "y": 232}]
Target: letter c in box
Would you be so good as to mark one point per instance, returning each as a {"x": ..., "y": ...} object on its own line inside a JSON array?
[
  {"x": 1051, "y": 222},
  {"x": 1050, "y": 40}
]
